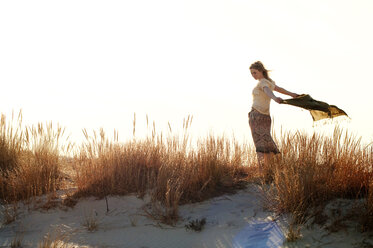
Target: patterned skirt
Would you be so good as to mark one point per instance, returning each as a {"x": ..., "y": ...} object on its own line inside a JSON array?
[{"x": 260, "y": 125}]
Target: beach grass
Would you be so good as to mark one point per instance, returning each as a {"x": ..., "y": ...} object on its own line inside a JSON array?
[
  {"x": 310, "y": 171},
  {"x": 29, "y": 159},
  {"x": 170, "y": 169},
  {"x": 313, "y": 170}
]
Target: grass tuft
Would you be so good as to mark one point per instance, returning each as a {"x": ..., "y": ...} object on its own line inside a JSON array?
[
  {"x": 196, "y": 225},
  {"x": 313, "y": 170},
  {"x": 90, "y": 221},
  {"x": 293, "y": 233},
  {"x": 171, "y": 169},
  {"x": 310, "y": 171},
  {"x": 55, "y": 239},
  {"x": 29, "y": 159},
  {"x": 17, "y": 241},
  {"x": 10, "y": 213}
]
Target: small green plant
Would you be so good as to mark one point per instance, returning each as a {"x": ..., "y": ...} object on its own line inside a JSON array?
[{"x": 196, "y": 225}]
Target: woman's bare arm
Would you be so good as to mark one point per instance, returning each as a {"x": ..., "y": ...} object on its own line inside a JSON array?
[{"x": 285, "y": 92}]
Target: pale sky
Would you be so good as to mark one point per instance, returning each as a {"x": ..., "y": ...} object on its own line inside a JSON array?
[{"x": 91, "y": 64}]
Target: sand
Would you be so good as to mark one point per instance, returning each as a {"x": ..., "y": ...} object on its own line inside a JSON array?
[{"x": 232, "y": 220}]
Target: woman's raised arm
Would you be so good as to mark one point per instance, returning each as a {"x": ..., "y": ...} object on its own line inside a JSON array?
[{"x": 285, "y": 92}]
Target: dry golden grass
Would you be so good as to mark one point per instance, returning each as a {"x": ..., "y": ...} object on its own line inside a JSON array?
[
  {"x": 17, "y": 241},
  {"x": 10, "y": 145},
  {"x": 293, "y": 233},
  {"x": 90, "y": 221},
  {"x": 55, "y": 239},
  {"x": 315, "y": 169},
  {"x": 310, "y": 171},
  {"x": 170, "y": 169},
  {"x": 29, "y": 160}
]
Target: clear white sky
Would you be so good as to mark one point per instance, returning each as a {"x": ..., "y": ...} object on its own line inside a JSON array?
[{"x": 91, "y": 64}]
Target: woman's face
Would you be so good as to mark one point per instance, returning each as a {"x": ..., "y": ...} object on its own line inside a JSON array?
[{"x": 256, "y": 74}]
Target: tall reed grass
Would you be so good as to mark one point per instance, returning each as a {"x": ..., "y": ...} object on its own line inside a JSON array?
[
  {"x": 173, "y": 170},
  {"x": 312, "y": 170},
  {"x": 29, "y": 159},
  {"x": 170, "y": 169}
]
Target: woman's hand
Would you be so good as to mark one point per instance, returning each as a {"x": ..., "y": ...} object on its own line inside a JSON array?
[{"x": 279, "y": 100}]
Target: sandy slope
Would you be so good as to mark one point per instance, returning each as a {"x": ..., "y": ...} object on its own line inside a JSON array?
[{"x": 229, "y": 223}]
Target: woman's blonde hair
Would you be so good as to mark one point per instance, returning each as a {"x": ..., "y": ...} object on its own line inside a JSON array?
[{"x": 260, "y": 67}]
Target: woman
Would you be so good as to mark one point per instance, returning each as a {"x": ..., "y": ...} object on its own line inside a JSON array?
[{"x": 259, "y": 117}]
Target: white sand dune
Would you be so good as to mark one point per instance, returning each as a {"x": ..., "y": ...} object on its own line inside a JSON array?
[{"x": 235, "y": 220}]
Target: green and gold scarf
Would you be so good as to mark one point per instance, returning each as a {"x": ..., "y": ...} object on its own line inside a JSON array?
[{"x": 319, "y": 110}]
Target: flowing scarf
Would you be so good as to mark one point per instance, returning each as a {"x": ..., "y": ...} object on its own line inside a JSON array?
[{"x": 319, "y": 110}]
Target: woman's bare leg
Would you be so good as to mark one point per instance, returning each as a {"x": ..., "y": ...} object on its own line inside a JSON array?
[
  {"x": 267, "y": 158},
  {"x": 260, "y": 157},
  {"x": 263, "y": 161}
]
